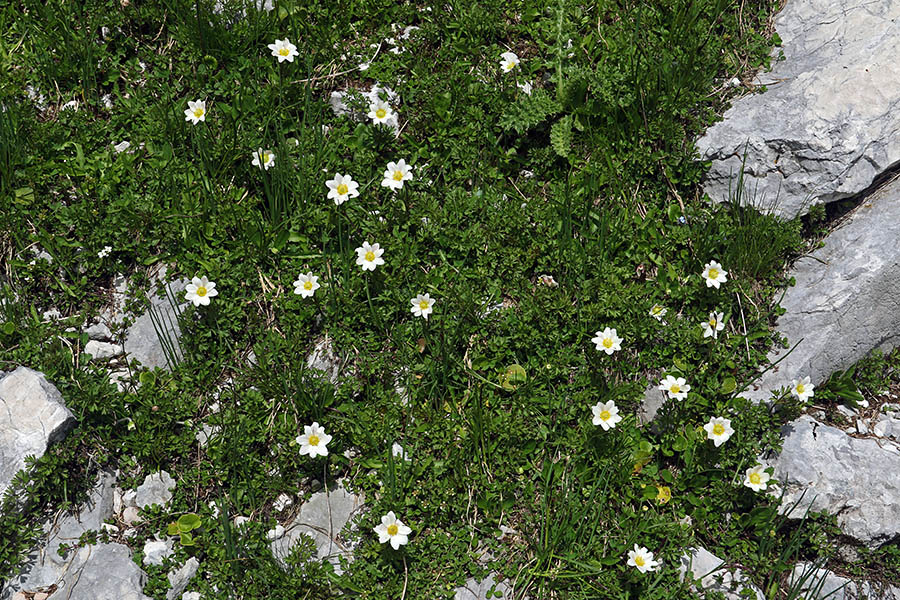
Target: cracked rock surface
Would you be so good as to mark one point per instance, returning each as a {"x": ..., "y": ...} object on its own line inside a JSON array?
[
  {"x": 822, "y": 584},
  {"x": 828, "y": 123},
  {"x": 89, "y": 572},
  {"x": 845, "y": 302},
  {"x": 853, "y": 478},
  {"x": 321, "y": 518},
  {"x": 32, "y": 416}
]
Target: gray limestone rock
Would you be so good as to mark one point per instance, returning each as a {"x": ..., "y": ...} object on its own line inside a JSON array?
[
  {"x": 99, "y": 332},
  {"x": 142, "y": 342},
  {"x": 814, "y": 583},
  {"x": 853, "y": 478},
  {"x": 32, "y": 416},
  {"x": 88, "y": 572},
  {"x": 478, "y": 590},
  {"x": 828, "y": 123},
  {"x": 845, "y": 300},
  {"x": 324, "y": 359},
  {"x": 156, "y": 489},
  {"x": 178, "y": 580},
  {"x": 321, "y": 517},
  {"x": 714, "y": 576},
  {"x": 102, "y": 350}
]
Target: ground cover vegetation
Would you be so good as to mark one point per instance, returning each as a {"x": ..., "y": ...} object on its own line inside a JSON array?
[{"x": 505, "y": 247}]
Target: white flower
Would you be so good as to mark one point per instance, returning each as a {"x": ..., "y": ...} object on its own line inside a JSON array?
[
  {"x": 714, "y": 274},
  {"x": 802, "y": 389},
  {"x": 756, "y": 478},
  {"x": 676, "y": 388},
  {"x": 422, "y": 305},
  {"x": 200, "y": 290},
  {"x": 525, "y": 87},
  {"x": 606, "y": 415},
  {"x": 392, "y": 530},
  {"x": 396, "y": 174},
  {"x": 195, "y": 112},
  {"x": 105, "y": 252},
  {"x": 547, "y": 280},
  {"x": 263, "y": 158},
  {"x": 306, "y": 285},
  {"x": 508, "y": 61},
  {"x": 642, "y": 558},
  {"x": 368, "y": 256},
  {"x": 380, "y": 112},
  {"x": 267, "y": 6},
  {"x": 398, "y": 451},
  {"x": 341, "y": 188},
  {"x": 713, "y": 326},
  {"x": 122, "y": 146},
  {"x": 607, "y": 341},
  {"x": 658, "y": 311},
  {"x": 718, "y": 430},
  {"x": 313, "y": 441},
  {"x": 284, "y": 50}
]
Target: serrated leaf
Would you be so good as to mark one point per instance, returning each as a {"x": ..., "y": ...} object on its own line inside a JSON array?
[
  {"x": 529, "y": 111},
  {"x": 561, "y": 136}
]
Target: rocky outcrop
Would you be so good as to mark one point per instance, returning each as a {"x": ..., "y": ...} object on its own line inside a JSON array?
[
  {"x": 83, "y": 572},
  {"x": 828, "y": 123},
  {"x": 824, "y": 469},
  {"x": 845, "y": 300},
  {"x": 812, "y": 583},
  {"x": 714, "y": 576},
  {"x": 321, "y": 518},
  {"x": 32, "y": 416}
]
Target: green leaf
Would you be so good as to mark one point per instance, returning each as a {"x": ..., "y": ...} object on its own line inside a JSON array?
[
  {"x": 561, "y": 136},
  {"x": 187, "y": 539},
  {"x": 9, "y": 328},
  {"x": 728, "y": 386},
  {"x": 147, "y": 378},
  {"x": 188, "y": 522},
  {"x": 173, "y": 529},
  {"x": 529, "y": 111},
  {"x": 513, "y": 377}
]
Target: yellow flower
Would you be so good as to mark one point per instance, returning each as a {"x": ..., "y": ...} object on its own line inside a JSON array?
[{"x": 663, "y": 494}]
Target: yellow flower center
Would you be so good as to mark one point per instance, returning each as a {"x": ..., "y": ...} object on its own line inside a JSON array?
[
  {"x": 657, "y": 310},
  {"x": 718, "y": 429},
  {"x": 198, "y": 112},
  {"x": 342, "y": 189},
  {"x": 800, "y": 388},
  {"x": 639, "y": 560},
  {"x": 308, "y": 285},
  {"x": 398, "y": 175},
  {"x": 607, "y": 342},
  {"x": 423, "y": 304},
  {"x": 380, "y": 113},
  {"x": 755, "y": 478},
  {"x": 675, "y": 388},
  {"x": 313, "y": 440},
  {"x": 605, "y": 415},
  {"x": 393, "y": 529},
  {"x": 283, "y": 51},
  {"x": 201, "y": 291},
  {"x": 712, "y": 323},
  {"x": 265, "y": 157},
  {"x": 713, "y": 273},
  {"x": 370, "y": 256}
]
